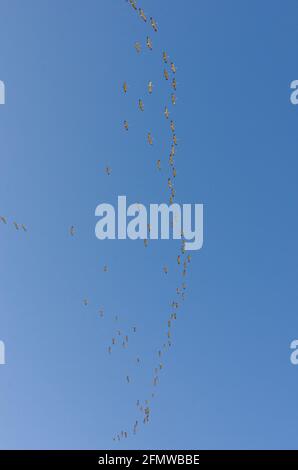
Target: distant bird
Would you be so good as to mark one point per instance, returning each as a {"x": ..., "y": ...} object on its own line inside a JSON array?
[
  {"x": 150, "y": 139},
  {"x": 150, "y": 87},
  {"x": 24, "y": 227},
  {"x": 126, "y": 125},
  {"x": 142, "y": 14},
  {"x": 72, "y": 230},
  {"x": 138, "y": 47},
  {"x": 108, "y": 170},
  {"x": 174, "y": 84},
  {"x": 16, "y": 226},
  {"x": 174, "y": 172},
  {"x": 175, "y": 139},
  {"x": 125, "y": 87},
  {"x": 166, "y": 113},
  {"x": 153, "y": 24},
  {"x": 172, "y": 125},
  {"x": 173, "y": 68},
  {"x": 141, "y": 105},
  {"x": 85, "y": 301},
  {"x": 159, "y": 164},
  {"x": 149, "y": 43},
  {"x": 173, "y": 98},
  {"x": 3, "y": 219},
  {"x": 105, "y": 268},
  {"x": 165, "y": 269},
  {"x": 166, "y": 74},
  {"x": 179, "y": 259},
  {"x": 165, "y": 57},
  {"x": 133, "y": 4}
]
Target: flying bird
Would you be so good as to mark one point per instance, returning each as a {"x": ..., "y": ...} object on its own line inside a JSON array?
[
  {"x": 126, "y": 125},
  {"x": 108, "y": 170},
  {"x": 24, "y": 228},
  {"x": 141, "y": 105},
  {"x": 159, "y": 164},
  {"x": 138, "y": 47},
  {"x": 173, "y": 98},
  {"x": 133, "y": 4},
  {"x": 142, "y": 14},
  {"x": 150, "y": 139},
  {"x": 72, "y": 230},
  {"x": 3, "y": 219},
  {"x": 125, "y": 87},
  {"x": 150, "y": 87},
  {"x": 166, "y": 112},
  {"x": 165, "y": 57},
  {"x": 173, "y": 67},
  {"x": 149, "y": 43},
  {"x": 153, "y": 24},
  {"x": 16, "y": 226},
  {"x": 166, "y": 74}
]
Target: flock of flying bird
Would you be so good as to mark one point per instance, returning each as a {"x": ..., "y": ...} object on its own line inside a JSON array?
[
  {"x": 183, "y": 260},
  {"x": 15, "y": 224}
]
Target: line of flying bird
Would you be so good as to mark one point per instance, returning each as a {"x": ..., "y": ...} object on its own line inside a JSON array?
[
  {"x": 16, "y": 225},
  {"x": 120, "y": 337}
]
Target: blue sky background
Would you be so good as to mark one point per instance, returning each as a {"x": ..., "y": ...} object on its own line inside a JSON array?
[{"x": 227, "y": 381}]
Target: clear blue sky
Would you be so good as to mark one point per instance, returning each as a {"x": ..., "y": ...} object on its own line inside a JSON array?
[{"x": 228, "y": 381}]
